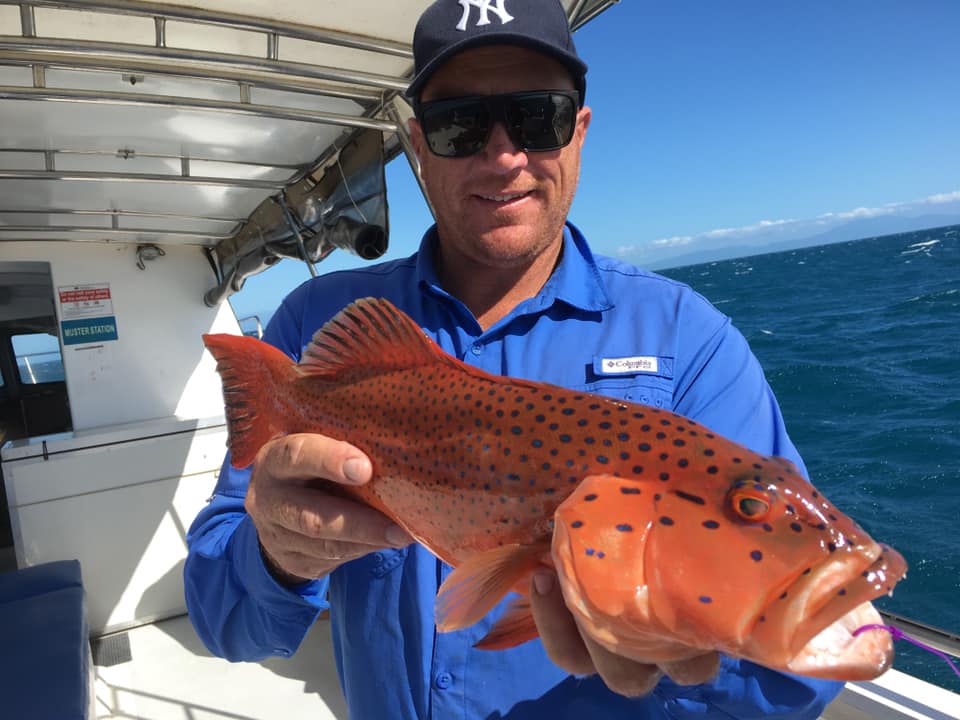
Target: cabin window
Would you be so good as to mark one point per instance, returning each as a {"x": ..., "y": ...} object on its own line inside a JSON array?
[
  {"x": 38, "y": 358},
  {"x": 33, "y": 392}
]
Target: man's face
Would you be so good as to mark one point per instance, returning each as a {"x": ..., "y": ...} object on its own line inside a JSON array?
[{"x": 502, "y": 207}]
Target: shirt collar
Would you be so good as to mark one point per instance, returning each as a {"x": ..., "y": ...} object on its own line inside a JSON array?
[{"x": 576, "y": 280}]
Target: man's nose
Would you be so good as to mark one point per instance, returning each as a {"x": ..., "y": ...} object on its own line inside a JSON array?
[{"x": 502, "y": 150}]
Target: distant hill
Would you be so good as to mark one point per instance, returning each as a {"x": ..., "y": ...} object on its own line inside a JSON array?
[{"x": 853, "y": 230}]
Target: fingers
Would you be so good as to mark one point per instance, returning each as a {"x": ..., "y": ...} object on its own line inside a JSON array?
[
  {"x": 696, "y": 670},
  {"x": 304, "y": 531},
  {"x": 295, "y": 558},
  {"x": 315, "y": 515},
  {"x": 307, "y": 456},
  {"x": 622, "y": 675},
  {"x": 576, "y": 652},
  {"x": 557, "y": 628}
]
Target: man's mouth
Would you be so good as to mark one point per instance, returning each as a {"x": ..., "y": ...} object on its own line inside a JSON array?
[{"x": 504, "y": 198}]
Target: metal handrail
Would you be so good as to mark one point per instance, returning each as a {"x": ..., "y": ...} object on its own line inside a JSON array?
[
  {"x": 138, "y": 154},
  {"x": 89, "y": 176},
  {"x": 121, "y": 213},
  {"x": 92, "y": 97},
  {"x": 582, "y": 17},
  {"x": 938, "y": 638},
  {"x": 213, "y": 59},
  {"x": 112, "y": 232},
  {"x": 232, "y": 20},
  {"x": 134, "y": 65}
]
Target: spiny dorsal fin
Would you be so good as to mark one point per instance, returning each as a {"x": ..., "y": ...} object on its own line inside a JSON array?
[{"x": 369, "y": 337}]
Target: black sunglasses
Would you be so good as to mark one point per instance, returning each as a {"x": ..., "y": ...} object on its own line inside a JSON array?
[{"x": 536, "y": 121}]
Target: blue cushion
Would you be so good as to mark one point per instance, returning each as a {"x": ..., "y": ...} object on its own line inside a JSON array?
[{"x": 44, "y": 651}]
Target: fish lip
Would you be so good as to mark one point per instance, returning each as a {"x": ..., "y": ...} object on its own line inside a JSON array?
[
  {"x": 839, "y": 652},
  {"x": 834, "y": 593}
]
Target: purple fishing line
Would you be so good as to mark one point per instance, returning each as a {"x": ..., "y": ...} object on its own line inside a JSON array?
[{"x": 899, "y": 634}]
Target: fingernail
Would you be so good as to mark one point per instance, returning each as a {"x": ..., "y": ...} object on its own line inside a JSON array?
[
  {"x": 543, "y": 583},
  {"x": 356, "y": 470},
  {"x": 397, "y": 536}
]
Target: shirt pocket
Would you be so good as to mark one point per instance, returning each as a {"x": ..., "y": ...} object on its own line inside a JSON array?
[
  {"x": 646, "y": 391},
  {"x": 646, "y": 380}
]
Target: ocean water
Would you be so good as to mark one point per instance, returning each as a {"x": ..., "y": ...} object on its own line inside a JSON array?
[{"x": 861, "y": 343}]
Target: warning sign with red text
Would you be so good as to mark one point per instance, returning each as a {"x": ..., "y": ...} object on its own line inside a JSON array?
[
  {"x": 86, "y": 314},
  {"x": 85, "y": 301}
]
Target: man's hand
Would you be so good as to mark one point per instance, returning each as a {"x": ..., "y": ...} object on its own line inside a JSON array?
[
  {"x": 304, "y": 532},
  {"x": 577, "y": 653}
]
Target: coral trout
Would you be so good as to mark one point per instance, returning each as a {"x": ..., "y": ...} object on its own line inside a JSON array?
[{"x": 668, "y": 539}]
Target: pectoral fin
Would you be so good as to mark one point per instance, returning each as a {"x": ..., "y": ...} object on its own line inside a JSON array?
[
  {"x": 515, "y": 627},
  {"x": 478, "y": 584}
]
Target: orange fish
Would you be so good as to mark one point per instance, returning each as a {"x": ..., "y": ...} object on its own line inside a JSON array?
[{"x": 668, "y": 539}]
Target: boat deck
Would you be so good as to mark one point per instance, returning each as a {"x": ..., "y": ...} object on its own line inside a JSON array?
[
  {"x": 894, "y": 696},
  {"x": 163, "y": 672},
  {"x": 171, "y": 676}
]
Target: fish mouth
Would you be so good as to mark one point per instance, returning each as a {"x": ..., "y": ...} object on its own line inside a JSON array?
[
  {"x": 829, "y": 604},
  {"x": 839, "y": 652}
]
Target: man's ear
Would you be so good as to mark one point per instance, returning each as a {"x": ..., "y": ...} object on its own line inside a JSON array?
[
  {"x": 416, "y": 138},
  {"x": 584, "y": 116}
]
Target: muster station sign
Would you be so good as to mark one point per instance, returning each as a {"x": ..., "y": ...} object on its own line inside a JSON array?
[{"x": 86, "y": 313}]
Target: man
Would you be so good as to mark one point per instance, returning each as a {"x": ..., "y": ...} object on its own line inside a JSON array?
[{"x": 504, "y": 283}]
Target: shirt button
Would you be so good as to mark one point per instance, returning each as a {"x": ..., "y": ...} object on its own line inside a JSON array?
[
  {"x": 477, "y": 348},
  {"x": 444, "y": 680}
]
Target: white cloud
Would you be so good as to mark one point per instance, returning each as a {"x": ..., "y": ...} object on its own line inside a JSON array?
[
  {"x": 675, "y": 241},
  {"x": 862, "y": 212},
  {"x": 943, "y": 198},
  {"x": 765, "y": 231},
  {"x": 719, "y": 233}
]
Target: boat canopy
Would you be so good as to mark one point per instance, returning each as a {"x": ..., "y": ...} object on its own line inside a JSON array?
[{"x": 251, "y": 130}]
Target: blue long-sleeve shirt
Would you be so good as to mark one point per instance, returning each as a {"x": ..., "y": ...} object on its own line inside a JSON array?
[{"x": 676, "y": 352}]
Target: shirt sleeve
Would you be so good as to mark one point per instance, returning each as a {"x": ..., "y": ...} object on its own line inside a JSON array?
[
  {"x": 237, "y": 608},
  {"x": 721, "y": 385}
]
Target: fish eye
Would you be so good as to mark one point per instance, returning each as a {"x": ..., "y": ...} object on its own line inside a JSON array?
[{"x": 750, "y": 504}]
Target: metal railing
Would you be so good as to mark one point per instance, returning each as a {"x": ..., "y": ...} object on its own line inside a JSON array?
[{"x": 937, "y": 638}]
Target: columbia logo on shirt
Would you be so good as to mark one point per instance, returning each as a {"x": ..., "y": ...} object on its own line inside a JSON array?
[{"x": 635, "y": 364}]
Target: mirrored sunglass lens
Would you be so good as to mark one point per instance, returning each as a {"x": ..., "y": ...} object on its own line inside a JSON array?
[
  {"x": 456, "y": 130},
  {"x": 542, "y": 122}
]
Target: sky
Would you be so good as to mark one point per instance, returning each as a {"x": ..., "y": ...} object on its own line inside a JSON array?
[{"x": 739, "y": 125}]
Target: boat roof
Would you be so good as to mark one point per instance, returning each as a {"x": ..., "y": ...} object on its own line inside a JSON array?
[{"x": 231, "y": 127}]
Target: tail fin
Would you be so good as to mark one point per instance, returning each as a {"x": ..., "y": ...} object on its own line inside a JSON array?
[{"x": 251, "y": 372}]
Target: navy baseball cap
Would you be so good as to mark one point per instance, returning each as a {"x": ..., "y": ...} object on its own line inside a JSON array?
[{"x": 448, "y": 27}]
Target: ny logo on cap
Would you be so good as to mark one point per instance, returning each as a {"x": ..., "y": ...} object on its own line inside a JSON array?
[{"x": 485, "y": 7}]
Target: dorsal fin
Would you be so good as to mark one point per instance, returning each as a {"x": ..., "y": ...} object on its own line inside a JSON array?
[{"x": 368, "y": 337}]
